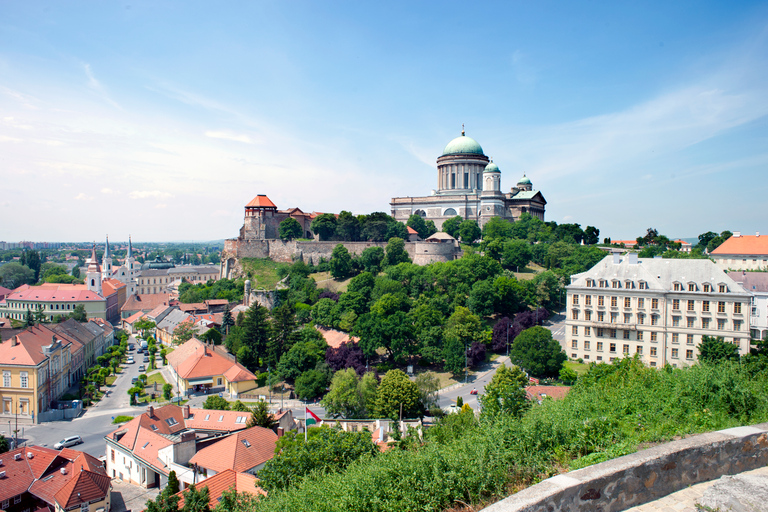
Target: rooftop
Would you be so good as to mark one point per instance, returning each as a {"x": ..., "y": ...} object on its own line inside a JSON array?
[{"x": 743, "y": 245}]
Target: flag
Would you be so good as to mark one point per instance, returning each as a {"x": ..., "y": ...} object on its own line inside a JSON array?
[{"x": 311, "y": 418}]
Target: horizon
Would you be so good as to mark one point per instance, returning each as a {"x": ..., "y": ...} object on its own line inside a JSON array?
[{"x": 164, "y": 120}]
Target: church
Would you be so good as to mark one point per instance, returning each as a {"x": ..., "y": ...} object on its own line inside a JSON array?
[{"x": 469, "y": 185}]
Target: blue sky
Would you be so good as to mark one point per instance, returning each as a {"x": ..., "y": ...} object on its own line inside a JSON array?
[{"x": 162, "y": 119}]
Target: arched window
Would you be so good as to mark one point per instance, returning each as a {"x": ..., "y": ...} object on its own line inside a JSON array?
[
  {"x": 93, "y": 282},
  {"x": 420, "y": 213},
  {"x": 450, "y": 212}
]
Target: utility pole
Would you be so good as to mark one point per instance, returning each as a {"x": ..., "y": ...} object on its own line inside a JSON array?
[{"x": 466, "y": 364}]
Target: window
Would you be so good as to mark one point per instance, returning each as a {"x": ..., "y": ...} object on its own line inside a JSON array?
[
  {"x": 600, "y": 316},
  {"x": 17, "y": 499},
  {"x": 221, "y": 418},
  {"x": 721, "y": 307},
  {"x": 600, "y": 332},
  {"x": 654, "y": 319},
  {"x": 653, "y": 335},
  {"x": 612, "y": 347},
  {"x": 643, "y": 285},
  {"x": 599, "y": 358},
  {"x": 586, "y": 345},
  {"x": 575, "y": 314},
  {"x": 6, "y": 379},
  {"x": 614, "y": 302},
  {"x": 675, "y": 321},
  {"x": 575, "y": 300},
  {"x": 241, "y": 419},
  {"x": 705, "y": 323},
  {"x": 599, "y": 346},
  {"x": 639, "y": 349},
  {"x": 640, "y": 302},
  {"x": 627, "y": 302},
  {"x": 690, "y": 322},
  {"x": 574, "y": 356},
  {"x": 615, "y": 284},
  {"x": 676, "y": 304},
  {"x": 689, "y": 354},
  {"x": 707, "y": 287},
  {"x": 587, "y": 300},
  {"x": 640, "y": 318},
  {"x": 689, "y": 339},
  {"x": 590, "y": 283},
  {"x": 626, "y": 335},
  {"x": 246, "y": 443},
  {"x": 629, "y": 284},
  {"x": 705, "y": 306},
  {"x": 654, "y": 303},
  {"x": 675, "y": 338},
  {"x": 575, "y": 344},
  {"x": 575, "y": 330},
  {"x": 737, "y": 307},
  {"x": 690, "y": 305},
  {"x": 675, "y": 353},
  {"x": 25, "y": 377},
  {"x": 653, "y": 351},
  {"x": 586, "y": 356},
  {"x": 627, "y": 318},
  {"x": 625, "y": 349},
  {"x": 600, "y": 300},
  {"x": 678, "y": 287},
  {"x": 720, "y": 324},
  {"x": 207, "y": 417},
  {"x": 691, "y": 287},
  {"x": 639, "y": 335},
  {"x": 613, "y": 333},
  {"x": 614, "y": 317},
  {"x": 112, "y": 455},
  {"x": 587, "y": 331},
  {"x": 722, "y": 288},
  {"x": 653, "y": 363},
  {"x": 736, "y": 327},
  {"x": 171, "y": 422},
  {"x": 5, "y": 504},
  {"x": 588, "y": 315}
]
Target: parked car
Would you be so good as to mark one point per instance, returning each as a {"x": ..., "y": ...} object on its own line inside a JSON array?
[
  {"x": 141, "y": 368},
  {"x": 146, "y": 359},
  {"x": 130, "y": 347},
  {"x": 140, "y": 351},
  {"x": 129, "y": 360},
  {"x": 67, "y": 442},
  {"x": 134, "y": 380}
]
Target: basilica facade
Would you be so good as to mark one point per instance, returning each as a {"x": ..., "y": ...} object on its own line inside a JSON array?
[{"x": 469, "y": 185}]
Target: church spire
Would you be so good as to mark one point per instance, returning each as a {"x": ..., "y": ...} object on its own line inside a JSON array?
[
  {"x": 106, "y": 248},
  {"x": 129, "y": 247}
]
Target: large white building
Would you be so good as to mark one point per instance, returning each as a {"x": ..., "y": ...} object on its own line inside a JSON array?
[
  {"x": 756, "y": 284},
  {"x": 656, "y": 308}
]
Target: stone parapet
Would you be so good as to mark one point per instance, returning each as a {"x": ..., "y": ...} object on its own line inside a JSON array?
[{"x": 647, "y": 475}]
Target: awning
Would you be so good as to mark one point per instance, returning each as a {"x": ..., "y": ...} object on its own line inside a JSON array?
[{"x": 206, "y": 380}]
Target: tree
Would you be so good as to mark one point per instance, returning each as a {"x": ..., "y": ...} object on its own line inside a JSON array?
[
  {"x": 343, "y": 398},
  {"x": 167, "y": 394},
  {"x": 256, "y": 330},
  {"x": 29, "y": 318},
  {"x": 469, "y": 231},
  {"x": 216, "y": 403},
  {"x": 13, "y": 275},
  {"x": 497, "y": 228},
  {"x": 324, "y": 225},
  {"x": 535, "y": 351},
  {"x": 172, "y": 487},
  {"x": 4, "y": 444},
  {"x": 227, "y": 321},
  {"x": 282, "y": 333},
  {"x": 79, "y": 314},
  {"x": 184, "y": 332},
  {"x": 517, "y": 254},
  {"x": 304, "y": 355},
  {"x": 196, "y": 500},
  {"x": 451, "y": 226},
  {"x": 290, "y": 229},
  {"x": 143, "y": 325},
  {"x": 164, "y": 502},
  {"x": 591, "y": 235},
  {"x": 505, "y": 394},
  {"x": 260, "y": 417},
  {"x": 428, "y": 385},
  {"x": 395, "y": 253},
  {"x": 397, "y": 396},
  {"x": 341, "y": 262},
  {"x": 347, "y": 227},
  {"x": 311, "y": 384},
  {"x": 34, "y": 262},
  {"x": 371, "y": 259},
  {"x": 76, "y": 272},
  {"x": 568, "y": 376},
  {"x": 212, "y": 336},
  {"x": 714, "y": 349}
]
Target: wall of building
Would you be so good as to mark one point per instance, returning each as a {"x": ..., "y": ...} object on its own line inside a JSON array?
[{"x": 741, "y": 261}]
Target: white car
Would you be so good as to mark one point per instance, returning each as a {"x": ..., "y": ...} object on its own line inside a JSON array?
[
  {"x": 67, "y": 442},
  {"x": 130, "y": 361}
]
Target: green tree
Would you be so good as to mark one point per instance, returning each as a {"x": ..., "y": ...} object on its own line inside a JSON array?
[
  {"x": 211, "y": 336},
  {"x": 715, "y": 349},
  {"x": 196, "y": 500},
  {"x": 216, "y": 403},
  {"x": 396, "y": 395},
  {"x": 568, "y": 376},
  {"x": 517, "y": 254},
  {"x": 371, "y": 259},
  {"x": 505, "y": 394},
  {"x": 227, "y": 321},
  {"x": 535, "y": 351},
  {"x": 256, "y": 331},
  {"x": 341, "y": 262},
  {"x": 144, "y": 325},
  {"x": 324, "y": 225},
  {"x": 469, "y": 231},
  {"x": 167, "y": 393},
  {"x": 497, "y": 229},
  {"x": 172, "y": 487},
  {"x": 311, "y": 384},
  {"x": 164, "y": 502},
  {"x": 428, "y": 385},
  {"x": 451, "y": 226},
  {"x": 304, "y": 355},
  {"x": 79, "y": 314},
  {"x": 76, "y": 272},
  {"x": 290, "y": 229},
  {"x": 591, "y": 235},
  {"x": 34, "y": 262},
  {"x": 13, "y": 275},
  {"x": 395, "y": 253},
  {"x": 349, "y": 396},
  {"x": 260, "y": 417},
  {"x": 184, "y": 332},
  {"x": 347, "y": 227},
  {"x": 282, "y": 333},
  {"x": 4, "y": 444}
]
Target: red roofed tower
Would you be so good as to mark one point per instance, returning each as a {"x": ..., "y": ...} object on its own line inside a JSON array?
[{"x": 260, "y": 222}]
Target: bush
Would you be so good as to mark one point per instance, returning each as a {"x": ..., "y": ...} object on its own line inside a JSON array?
[{"x": 215, "y": 402}]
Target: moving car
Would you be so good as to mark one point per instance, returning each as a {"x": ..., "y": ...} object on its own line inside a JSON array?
[{"x": 67, "y": 442}]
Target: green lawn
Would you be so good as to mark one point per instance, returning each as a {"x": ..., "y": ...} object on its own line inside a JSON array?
[
  {"x": 156, "y": 377},
  {"x": 262, "y": 272},
  {"x": 579, "y": 368},
  {"x": 324, "y": 280},
  {"x": 111, "y": 380}
]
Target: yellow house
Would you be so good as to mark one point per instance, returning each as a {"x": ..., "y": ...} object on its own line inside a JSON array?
[
  {"x": 36, "y": 367},
  {"x": 198, "y": 366},
  {"x": 54, "y": 300}
]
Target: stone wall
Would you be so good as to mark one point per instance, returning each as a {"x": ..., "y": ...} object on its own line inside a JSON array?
[{"x": 647, "y": 475}]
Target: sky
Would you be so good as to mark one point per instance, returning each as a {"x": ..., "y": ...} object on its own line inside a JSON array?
[{"x": 162, "y": 119}]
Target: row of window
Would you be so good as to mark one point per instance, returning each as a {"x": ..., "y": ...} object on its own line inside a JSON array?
[
  {"x": 24, "y": 378},
  {"x": 625, "y": 350},
  {"x": 643, "y": 285},
  {"x": 690, "y": 305},
  {"x": 35, "y": 305},
  {"x": 626, "y": 318}
]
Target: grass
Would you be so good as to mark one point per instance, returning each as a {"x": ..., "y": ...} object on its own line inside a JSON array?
[
  {"x": 110, "y": 380},
  {"x": 262, "y": 272},
  {"x": 122, "y": 419},
  {"x": 529, "y": 272},
  {"x": 579, "y": 368},
  {"x": 158, "y": 378},
  {"x": 324, "y": 280}
]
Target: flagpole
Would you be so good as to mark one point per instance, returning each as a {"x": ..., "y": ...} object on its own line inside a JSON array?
[{"x": 306, "y": 427}]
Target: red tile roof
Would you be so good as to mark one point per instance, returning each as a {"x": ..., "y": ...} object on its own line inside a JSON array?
[
  {"x": 744, "y": 245},
  {"x": 110, "y": 286},
  {"x": 335, "y": 338},
  {"x": 261, "y": 201},
  {"x": 539, "y": 392},
  {"x": 224, "y": 481},
  {"x": 241, "y": 451},
  {"x": 411, "y": 231},
  {"x": 54, "y": 291},
  {"x": 194, "y": 360},
  {"x": 136, "y": 316},
  {"x": 26, "y": 348},
  {"x": 146, "y": 302}
]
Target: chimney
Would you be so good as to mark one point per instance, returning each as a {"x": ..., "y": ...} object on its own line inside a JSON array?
[
  {"x": 150, "y": 411},
  {"x": 633, "y": 258},
  {"x": 280, "y": 432},
  {"x": 616, "y": 258},
  {"x": 15, "y": 340},
  {"x": 736, "y": 234},
  {"x": 757, "y": 234},
  {"x": 185, "y": 412}
]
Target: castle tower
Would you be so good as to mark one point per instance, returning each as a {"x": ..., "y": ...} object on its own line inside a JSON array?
[
  {"x": 106, "y": 262},
  {"x": 93, "y": 273},
  {"x": 491, "y": 198}
]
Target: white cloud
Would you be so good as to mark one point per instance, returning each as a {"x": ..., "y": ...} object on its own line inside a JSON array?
[
  {"x": 83, "y": 197},
  {"x": 4, "y": 138},
  {"x": 229, "y": 136},
  {"x": 144, "y": 194},
  {"x": 162, "y": 205},
  {"x": 107, "y": 190}
]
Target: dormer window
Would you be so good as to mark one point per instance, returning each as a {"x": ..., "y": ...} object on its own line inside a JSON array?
[
  {"x": 722, "y": 288},
  {"x": 643, "y": 285},
  {"x": 629, "y": 285},
  {"x": 678, "y": 287},
  {"x": 615, "y": 284},
  {"x": 692, "y": 287}
]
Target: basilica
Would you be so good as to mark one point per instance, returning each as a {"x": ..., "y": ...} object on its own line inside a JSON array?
[{"x": 469, "y": 185}]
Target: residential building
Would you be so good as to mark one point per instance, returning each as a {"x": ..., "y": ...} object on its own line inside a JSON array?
[
  {"x": 245, "y": 451},
  {"x": 54, "y": 300},
  {"x": 756, "y": 284},
  {"x": 196, "y": 365},
  {"x": 144, "y": 450},
  {"x": 114, "y": 293},
  {"x": 89, "y": 334},
  {"x": 656, "y": 308},
  {"x": 37, "y": 479},
  {"x": 154, "y": 280},
  {"x": 227, "y": 480},
  {"x": 144, "y": 303},
  {"x": 36, "y": 369},
  {"x": 127, "y": 324},
  {"x": 167, "y": 326},
  {"x": 742, "y": 252}
]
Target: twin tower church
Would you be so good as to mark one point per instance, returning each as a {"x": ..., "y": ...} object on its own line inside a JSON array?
[{"x": 469, "y": 185}]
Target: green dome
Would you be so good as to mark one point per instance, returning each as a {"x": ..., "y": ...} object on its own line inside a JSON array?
[
  {"x": 491, "y": 167},
  {"x": 463, "y": 145},
  {"x": 524, "y": 181}
]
